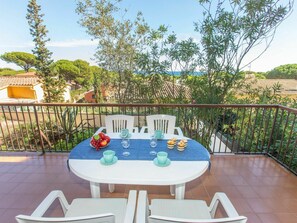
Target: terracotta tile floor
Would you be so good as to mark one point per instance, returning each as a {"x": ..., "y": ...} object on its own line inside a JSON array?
[{"x": 258, "y": 187}]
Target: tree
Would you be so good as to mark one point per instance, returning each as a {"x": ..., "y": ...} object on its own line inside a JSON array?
[
  {"x": 119, "y": 40},
  {"x": 67, "y": 69},
  {"x": 21, "y": 59},
  {"x": 229, "y": 31},
  {"x": 184, "y": 55},
  {"x": 85, "y": 75},
  {"x": 288, "y": 71},
  {"x": 97, "y": 82},
  {"x": 152, "y": 64},
  {"x": 52, "y": 84}
]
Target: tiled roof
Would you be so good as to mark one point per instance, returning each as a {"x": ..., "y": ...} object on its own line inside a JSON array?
[
  {"x": 27, "y": 79},
  {"x": 168, "y": 90}
]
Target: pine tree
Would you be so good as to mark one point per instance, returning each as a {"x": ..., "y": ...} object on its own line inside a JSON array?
[{"x": 53, "y": 85}]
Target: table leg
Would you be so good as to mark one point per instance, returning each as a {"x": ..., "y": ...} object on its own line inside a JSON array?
[
  {"x": 95, "y": 189},
  {"x": 180, "y": 191},
  {"x": 172, "y": 190},
  {"x": 111, "y": 188}
]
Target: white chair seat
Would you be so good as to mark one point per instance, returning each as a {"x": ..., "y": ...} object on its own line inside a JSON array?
[
  {"x": 85, "y": 210},
  {"x": 192, "y": 209},
  {"x": 185, "y": 211},
  {"x": 87, "y": 206}
]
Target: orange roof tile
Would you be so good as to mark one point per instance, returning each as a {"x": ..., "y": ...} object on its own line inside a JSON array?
[{"x": 27, "y": 79}]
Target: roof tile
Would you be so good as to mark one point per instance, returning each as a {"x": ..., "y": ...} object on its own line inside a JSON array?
[{"x": 27, "y": 79}]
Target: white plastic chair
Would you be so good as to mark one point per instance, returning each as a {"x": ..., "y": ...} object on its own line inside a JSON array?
[
  {"x": 186, "y": 211},
  {"x": 115, "y": 123},
  {"x": 85, "y": 210},
  {"x": 166, "y": 123}
]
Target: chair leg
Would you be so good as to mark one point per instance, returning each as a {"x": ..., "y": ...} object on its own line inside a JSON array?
[
  {"x": 111, "y": 188},
  {"x": 180, "y": 191},
  {"x": 172, "y": 190}
]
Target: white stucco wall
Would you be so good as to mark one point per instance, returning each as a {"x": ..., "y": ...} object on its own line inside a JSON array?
[
  {"x": 3, "y": 93},
  {"x": 67, "y": 96},
  {"x": 39, "y": 92}
]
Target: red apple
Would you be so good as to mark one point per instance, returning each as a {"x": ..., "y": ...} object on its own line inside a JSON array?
[
  {"x": 102, "y": 135},
  {"x": 103, "y": 143},
  {"x": 107, "y": 138}
]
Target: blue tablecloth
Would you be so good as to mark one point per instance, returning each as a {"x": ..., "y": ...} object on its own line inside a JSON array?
[{"x": 139, "y": 150}]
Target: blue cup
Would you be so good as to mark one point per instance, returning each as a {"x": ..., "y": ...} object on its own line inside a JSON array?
[
  {"x": 108, "y": 156},
  {"x": 162, "y": 157},
  {"x": 159, "y": 134}
]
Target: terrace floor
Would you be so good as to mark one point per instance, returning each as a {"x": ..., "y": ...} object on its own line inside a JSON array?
[{"x": 258, "y": 187}]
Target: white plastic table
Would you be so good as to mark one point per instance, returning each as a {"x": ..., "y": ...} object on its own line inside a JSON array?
[{"x": 138, "y": 172}]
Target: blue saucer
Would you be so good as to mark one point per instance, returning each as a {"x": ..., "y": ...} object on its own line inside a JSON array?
[
  {"x": 102, "y": 161},
  {"x": 162, "y": 165}
]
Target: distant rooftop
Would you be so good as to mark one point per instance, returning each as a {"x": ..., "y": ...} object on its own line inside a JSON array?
[{"x": 25, "y": 79}]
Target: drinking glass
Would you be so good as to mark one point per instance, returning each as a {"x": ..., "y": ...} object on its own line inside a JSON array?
[
  {"x": 153, "y": 144},
  {"x": 126, "y": 144}
]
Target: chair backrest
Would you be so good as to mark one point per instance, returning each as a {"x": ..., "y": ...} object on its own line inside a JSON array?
[
  {"x": 161, "y": 219},
  {"x": 102, "y": 218},
  {"x": 115, "y": 123},
  {"x": 166, "y": 123}
]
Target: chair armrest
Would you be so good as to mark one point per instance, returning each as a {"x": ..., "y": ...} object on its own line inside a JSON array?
[
  {"x": 142, "y": 130},
  {"x": 135, "y": 129},
  {"x": 108, "y": 217},
  {"x": 47, "y": 202},
  {"x": 179, "y": 131},
  {"x": 164, "y": 219},
  {"x": 100, "y": 130},
  {"x": 226, "y": 203},
  {"x": 142, "y": 207},
  {"x": 131, "y": 206}
]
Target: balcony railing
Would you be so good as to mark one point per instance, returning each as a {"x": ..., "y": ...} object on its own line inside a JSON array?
[{"x": 233, "y": 129}]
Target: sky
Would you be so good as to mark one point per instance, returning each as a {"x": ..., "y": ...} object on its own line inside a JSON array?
[{"x": 68, "y": 40}]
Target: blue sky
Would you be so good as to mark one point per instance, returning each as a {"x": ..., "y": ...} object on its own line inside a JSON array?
[{"x": 70, "y": 41}]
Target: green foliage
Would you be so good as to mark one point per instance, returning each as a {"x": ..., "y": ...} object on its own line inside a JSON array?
[
  {"x": 67, "y": 69},
  {"x": 52, "y": 84},
  {"x": 67, "y": 120},
  {"x": 261, "y": 95},
  {"x": 21, "y": 59},
  {"x": 78, "y": 71},
  {"x": 11, "y": 72},
  {"x": 120, "y": 40},
  {"x": 85, "y": 75},
  {"x": 98, "y": 77},
  {"x": 288, "y": 71},
  {"x": 260, "y": 75},
  {"x": 229, "y": 30},
  {"x": 26, "y": 137},
  {"x": 63, "y": 145},
  {"x": 257, "y": 75},
  {"x": 185, "y": 54},
  {"x": 8, "y": 72}
]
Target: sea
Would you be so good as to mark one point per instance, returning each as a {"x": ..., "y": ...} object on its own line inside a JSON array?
[{"x": 178, "y": 73}]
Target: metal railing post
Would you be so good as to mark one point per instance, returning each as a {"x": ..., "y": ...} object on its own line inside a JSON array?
[
  {"x": 39, "y": 131},
  {"x": 272, "y": 130}
]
